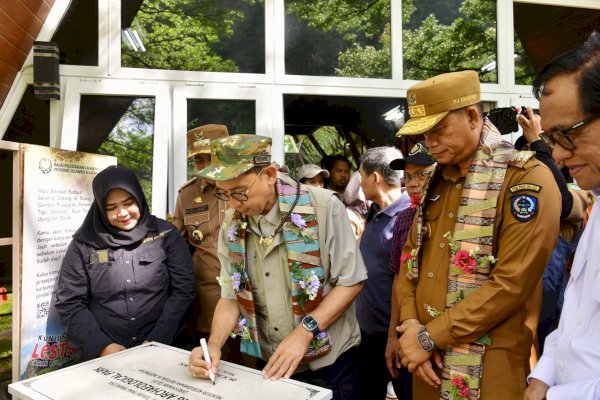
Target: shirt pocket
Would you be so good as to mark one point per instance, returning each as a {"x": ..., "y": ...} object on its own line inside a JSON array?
[
  {"x": 152, "y": 268},
  {"x": 103, "y": 279},
  {"x": 432, "y": 213},
  {"x": 199, "y": 227}
]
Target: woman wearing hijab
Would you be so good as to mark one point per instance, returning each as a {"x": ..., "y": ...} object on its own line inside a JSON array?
[{"x": 127, "y": 277}]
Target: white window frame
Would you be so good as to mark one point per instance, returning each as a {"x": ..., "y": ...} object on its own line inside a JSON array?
[
  {"x": 76, "y": 87},
  {"x": 182, "y": 93}
]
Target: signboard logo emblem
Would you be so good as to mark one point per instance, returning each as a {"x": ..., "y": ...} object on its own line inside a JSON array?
[{"x": 45, "y": 165}]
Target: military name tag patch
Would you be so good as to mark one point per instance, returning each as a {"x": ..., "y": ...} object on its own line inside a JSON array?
[
  {"x": 524, "y": 207},
  {"x": 525, "y": 186},
  {"x": 262, "y": 159},
  {"x": 195, "y": 210}
]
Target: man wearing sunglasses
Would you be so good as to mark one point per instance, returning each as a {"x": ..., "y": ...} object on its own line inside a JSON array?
[
  {"x": 478, "y": 245},
  {"x": 569, "y": 92},
  {"x": 289, "y": 271}
]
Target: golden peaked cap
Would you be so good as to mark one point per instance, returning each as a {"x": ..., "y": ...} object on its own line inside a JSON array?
[
  {"x": 199, "y": 139},
  {"x": 431, "y": 100}
]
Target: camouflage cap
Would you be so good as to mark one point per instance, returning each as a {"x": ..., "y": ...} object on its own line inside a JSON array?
[
  {"x": 199, "y": 139},
  {"x": 431, "y": 100},
  {"x": 236, "y": 154}
]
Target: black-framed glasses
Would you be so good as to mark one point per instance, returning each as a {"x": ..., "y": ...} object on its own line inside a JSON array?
[
  {"x": 560, "y": 136},
  {"x": 419, "y": 177},
  {"x": 239, "y": 196}
]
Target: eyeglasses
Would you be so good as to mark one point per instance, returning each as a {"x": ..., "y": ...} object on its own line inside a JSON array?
[
  {"x": 560, "y": 136},
  {"x": 239, "y": 196},
  {"x": 419, "y": 177}
]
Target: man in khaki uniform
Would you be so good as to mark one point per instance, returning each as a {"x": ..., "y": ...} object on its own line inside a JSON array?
[
  {"x": 198, "y": 216},
  {"x": 476, "y": 251},
  {"x": 286, "y": 268}
]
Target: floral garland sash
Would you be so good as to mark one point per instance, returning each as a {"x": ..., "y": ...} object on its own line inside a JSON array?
[
  {"x": 301, "y": 237},
  {"x": 471, "y": 261},
  {"x": 471, "y": 247}
]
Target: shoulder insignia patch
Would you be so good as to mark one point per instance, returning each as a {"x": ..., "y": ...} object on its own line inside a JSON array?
[
  {"x": 188, "y": 183},
  {"x": 524, "y": 207},
  {"x": 525, "y": 186}
]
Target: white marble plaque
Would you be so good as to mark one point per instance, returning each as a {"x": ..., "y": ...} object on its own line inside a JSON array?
[{"x": 155, "y": 371}]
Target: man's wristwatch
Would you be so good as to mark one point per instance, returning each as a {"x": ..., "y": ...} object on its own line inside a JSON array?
[
  {"x": 425, "y": 340},
  {"x": 310, "y": 324}
]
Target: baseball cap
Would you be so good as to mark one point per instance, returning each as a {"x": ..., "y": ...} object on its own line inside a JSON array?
[
  {"x": 198, "y": 139},
  {"x": 233, "y": 155},
  {"x": 310, "y": 171},
  {"x": 431, "y": 100},
  {"x": 418, "y": 155}
]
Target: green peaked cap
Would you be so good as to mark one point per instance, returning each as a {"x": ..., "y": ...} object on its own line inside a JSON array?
[{"x": 233, "y": 155}]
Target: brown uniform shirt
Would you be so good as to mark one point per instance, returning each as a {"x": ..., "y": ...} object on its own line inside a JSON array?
[
  {"x": 498, "y": 307},
  {"x": 198, "y": 209}
]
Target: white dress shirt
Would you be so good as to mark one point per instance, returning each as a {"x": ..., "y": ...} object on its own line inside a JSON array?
[{"x": 570, "y": 364}]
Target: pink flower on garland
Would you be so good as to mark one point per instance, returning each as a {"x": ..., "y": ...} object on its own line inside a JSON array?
[
  {"x": 458, "y": 381},
  {"x": 464, "y": 392},
  {"x": 463, "y": 260},
  {"x": 460, "y": 388}
]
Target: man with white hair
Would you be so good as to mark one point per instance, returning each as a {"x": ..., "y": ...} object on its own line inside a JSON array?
[{"x": 383, "y": 186}]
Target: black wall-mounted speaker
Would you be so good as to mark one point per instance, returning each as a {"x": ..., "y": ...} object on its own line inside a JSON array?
[{"x": 46, "y": 82}]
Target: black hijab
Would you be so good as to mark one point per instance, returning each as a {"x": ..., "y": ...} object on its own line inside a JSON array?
[{"x": 96, "y": 231}]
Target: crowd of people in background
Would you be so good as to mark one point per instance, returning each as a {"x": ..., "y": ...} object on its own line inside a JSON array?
[{"x": 466, "y": 268}]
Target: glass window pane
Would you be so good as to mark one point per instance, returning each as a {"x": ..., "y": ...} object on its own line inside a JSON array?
[
  {"x": 123, "y": 127},
  {"x": 31, "y": 121},
  {"x": 192, "y": 35},
  {"x": 6, "y": 317},
  {"x": 239, "y": 116},
  {"x": 345, "y": 125},
  {"x": 338, "y": 38},
  {"x": 524, "y": 72},
  {"x": 6, "y": 196},
  {"x": 553, "y": 31},
  {"x": 451, "y": 35},
  {"x": 77, "y": 35}
]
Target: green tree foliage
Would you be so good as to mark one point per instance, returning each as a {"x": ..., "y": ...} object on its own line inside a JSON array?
[
  {"x": 349, "y": 17},
  {"x": 330, "y": 141},
  {"x": 318, "y": 32},
  {"x": 454, "y": 35},
  {"x": 468, "y": 43},
  {"x": 179, "y": 34},
  {"x": 131, "y": 141},
  {"x": 367, "y": 61}
]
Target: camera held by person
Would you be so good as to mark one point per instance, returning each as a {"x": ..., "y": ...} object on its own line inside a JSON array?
[{"x": 505, "y": 118}]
